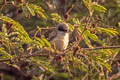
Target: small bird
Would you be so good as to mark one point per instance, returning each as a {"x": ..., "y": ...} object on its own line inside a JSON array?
[{"x": 60, "y": 36}]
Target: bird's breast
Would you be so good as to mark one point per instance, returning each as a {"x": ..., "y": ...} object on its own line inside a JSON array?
[{"x": 61, "y": 41}]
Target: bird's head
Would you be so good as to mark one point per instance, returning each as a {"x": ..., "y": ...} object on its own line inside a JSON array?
[{"x": 63, "y": 27}]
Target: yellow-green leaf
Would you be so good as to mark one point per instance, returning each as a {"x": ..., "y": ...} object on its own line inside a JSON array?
[{"x": 98, "y": 8}]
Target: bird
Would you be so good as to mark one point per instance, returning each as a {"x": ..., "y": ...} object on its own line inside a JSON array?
[{"x": 59, "y": 38}]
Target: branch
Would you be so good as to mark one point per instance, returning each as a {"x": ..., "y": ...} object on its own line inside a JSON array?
[
  {"x": 26, "y": 56},
  {"x": 106, "y": 47},
  {"x": 114, "y": 77},
  {"x": 16, "y": 72},
  {"x": 48, "y": 28},
  {"x": 76, "y": 44},
  {"x": 46, "y": 55},
  {"x": 81, "y": 36}
]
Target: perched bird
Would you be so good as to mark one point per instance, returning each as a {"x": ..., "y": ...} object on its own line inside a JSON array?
[{"x": 59, "y": 38}]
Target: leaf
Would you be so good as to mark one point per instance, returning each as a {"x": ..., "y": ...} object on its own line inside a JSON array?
[
  {"x": 41, "y": 14},
  {"x": 107, "y": 66},
  {"x": 39, "y": 29},
  {"x": 46, "y": 42},
  {"x": 56, "y": 17},
  {"x": 119, "y": 24},
  {"x": 40, "y": 41},
  {"x": 4, "y": 54},
  {"x": 91, "y": 36},
  {"x": 30, "y": 10},
  {"x": 18, "y": 28},
  {"x": 93, "y": 6},
  {"x": 110, "y": 31},
  {"x": 98, "y": 8},
  {"x": 88, "y": 4},
  {"x": 62, "y": 76},
  {"x": 13, "y": 34},
  {"x": 87, "y": 41},
  {"x": 71, "y": 27},
  {"x": 76, "y": 21},
  {"x": 4, "y": 28},
  {"x": 37, "y": 9},
  {"x": 44, "y": 64},
  {"x": 25, "y": 11}
]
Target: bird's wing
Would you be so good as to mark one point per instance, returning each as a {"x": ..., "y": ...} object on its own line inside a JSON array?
[{"x": 52, "y": 35}]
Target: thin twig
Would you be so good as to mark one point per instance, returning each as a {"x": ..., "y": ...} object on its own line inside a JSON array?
[
  {"x": 5, "y": 60},
  {"x": 48, "y": 28},
  {"x": 37, "y": 53},
  {"x": 2, "y": 5},
  {"x": 81, "y": 36},
  {"x": 115, "y": 77},
  {"x": 75, "y": 44},
  {"x": 26, "y": 56},
  {"x": 106, "y": 47},
  {"x": 35, "y": 34}
]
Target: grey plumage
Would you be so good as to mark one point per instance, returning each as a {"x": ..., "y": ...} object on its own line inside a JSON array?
[{"x": 59, "y": 38}]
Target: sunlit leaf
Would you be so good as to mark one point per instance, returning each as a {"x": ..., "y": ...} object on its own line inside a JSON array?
[
  {"x": 31, "y": 10},
  {"x": 37, "y": 9},
  {"x": 46, "y": 42},
  {"x": 17, "y": 27},
  {"x": 4, "y": 54},
  {"x": 110, "y": 31},
  {"x": 98, "y": 8},
  {"x": 92, "y": 36}
]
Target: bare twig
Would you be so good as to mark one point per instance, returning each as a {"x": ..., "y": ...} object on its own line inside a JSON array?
[
  {"x": 48, "y": 28},
  {"x": 35, "y": 34},
  {"x": 115, "y": 77},
  {"x": 2, "y": 5},
  {"x": 81, "y": 36},
  {"x": 106, "y": 47}
]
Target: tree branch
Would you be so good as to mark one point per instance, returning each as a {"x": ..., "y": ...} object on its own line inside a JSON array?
[
  {"x": 16, "y": 72},
  {"x": 37, "y": 53},
  {"x": 106, "y": 47}
]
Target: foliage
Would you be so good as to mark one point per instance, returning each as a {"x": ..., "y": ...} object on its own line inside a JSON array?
[{"x": 23, "y": 45}]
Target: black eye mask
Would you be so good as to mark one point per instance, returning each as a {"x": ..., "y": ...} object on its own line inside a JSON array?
[{"x": 61, "y": 28}]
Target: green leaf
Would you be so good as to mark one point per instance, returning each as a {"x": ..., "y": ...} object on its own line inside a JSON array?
[
  {"x": 30, "y": 10},
  {"x": 91, "y": 36},
  {"x": 56, "y": 17},
  {"x": 110, "y": 31},
  {"x": 39, "y": 28},
  {"x": 4, "y": 29},
  {"x": 17, "y": 28},
  {"x": 37, "y": 9},
  {"x": 46, "y": 42},
  {"x": 76, "y": 21},
  {"x": 98, "y": 8},
  {"x": 4, "y": 54},
  {"x": 71, "y": 27},
  {"x": 40, "y": 41},
  {"x": 87, "y": 41},
  {"x": 119, "y": 24},
  {"x": 61, "y": 76},
  {"x": 87, "y": 3}
]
